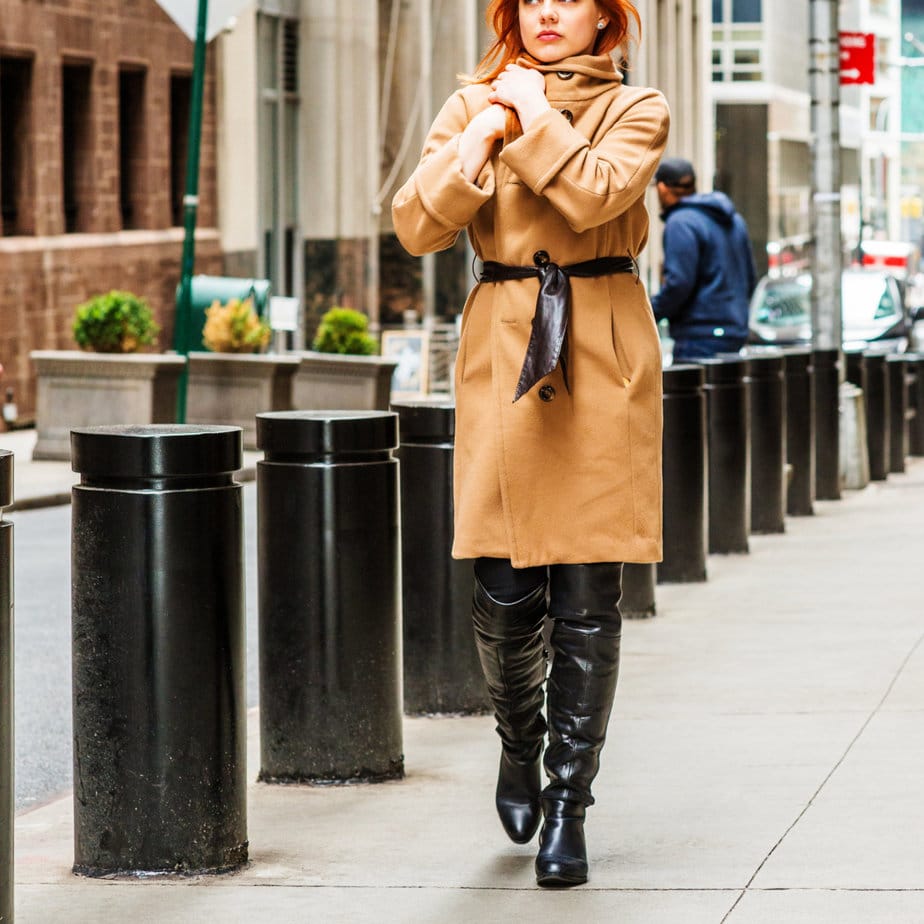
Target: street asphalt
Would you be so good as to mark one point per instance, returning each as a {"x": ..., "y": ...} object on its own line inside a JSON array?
[{"x": 763, "y": 766}]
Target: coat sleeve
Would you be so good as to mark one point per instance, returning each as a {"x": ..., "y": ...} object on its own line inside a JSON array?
[
  {"x": 681, "y": 264},
  {"x": 438, "y": 201},
  {"x": 592, "y": 184}
]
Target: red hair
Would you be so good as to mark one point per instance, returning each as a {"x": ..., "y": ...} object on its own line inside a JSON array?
[{"x": 503, "y": 17}]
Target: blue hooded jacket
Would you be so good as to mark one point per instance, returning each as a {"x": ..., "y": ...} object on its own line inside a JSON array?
[{"x": 709, "y": 274}]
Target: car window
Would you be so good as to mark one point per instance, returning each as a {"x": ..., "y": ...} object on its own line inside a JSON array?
[{"x": 784, "y": 301}]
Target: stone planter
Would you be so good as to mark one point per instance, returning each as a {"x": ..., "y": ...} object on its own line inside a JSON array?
[
  {"x": 331, "y": 381},
  {"x": 80, "y": 389},
  {"x": 232, "y": 388}
]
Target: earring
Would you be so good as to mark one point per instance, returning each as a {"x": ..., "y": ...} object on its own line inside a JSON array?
[{"x": 601, "y": 24}]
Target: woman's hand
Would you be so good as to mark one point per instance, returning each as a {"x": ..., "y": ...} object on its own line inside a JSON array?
[
  {"x": 480, "y": 135},
  {"x": 522, "y": 89}
]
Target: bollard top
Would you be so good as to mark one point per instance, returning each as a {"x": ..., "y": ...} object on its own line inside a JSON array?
[
  {"x": 426, "y": 420},
  {"x": 156, "y": 451},
  {"x": 766, "y": 365},
  {"x": 728, "y": 369},
  {"x": 6, "y": 478},
  {"x": 825, "y": 357},
  {"x": 326, "y": 432},
  {"x": 902, "y": 357},
  {"x": 797, "y": 360},
  {"x": 873, "y": 357},
  {"x": 683, "y": 377}
]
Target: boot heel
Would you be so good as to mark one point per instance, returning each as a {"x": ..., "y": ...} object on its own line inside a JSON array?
[{"x": 562, "y": 858}]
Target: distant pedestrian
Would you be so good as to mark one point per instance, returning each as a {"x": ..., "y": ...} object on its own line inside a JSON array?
[
  {"x": 709, "y": 275},
  {"x": 544, "y": 158}
]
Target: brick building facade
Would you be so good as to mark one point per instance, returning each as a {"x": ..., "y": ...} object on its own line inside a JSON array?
[{"x": 94, "y": 109}]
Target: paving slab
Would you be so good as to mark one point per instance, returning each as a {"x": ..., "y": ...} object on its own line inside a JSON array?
[
  {"x": 799, "y": 906},
  {"x": 863, "y": 830},
  {"x": 153, "y": 903}
]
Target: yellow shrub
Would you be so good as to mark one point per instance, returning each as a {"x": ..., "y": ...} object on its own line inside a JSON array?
[{"x": 234, "y": 327}]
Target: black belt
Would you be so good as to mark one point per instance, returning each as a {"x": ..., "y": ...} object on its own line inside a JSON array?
[{"x": 548, "y": 341}]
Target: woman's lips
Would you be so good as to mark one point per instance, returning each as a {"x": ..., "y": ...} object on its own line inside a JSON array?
[{"x": 548, "y": 36}]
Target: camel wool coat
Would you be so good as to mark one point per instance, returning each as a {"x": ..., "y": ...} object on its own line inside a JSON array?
[{"x": 559, "y": 477}]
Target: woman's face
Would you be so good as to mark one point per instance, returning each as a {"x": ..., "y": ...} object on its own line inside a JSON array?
[{"x": 554, "y": 29}]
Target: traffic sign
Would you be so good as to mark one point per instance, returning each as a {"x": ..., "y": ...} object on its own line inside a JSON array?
[
  {"x": 183, "y": 13},
  {"x": 858, "y": 57}
]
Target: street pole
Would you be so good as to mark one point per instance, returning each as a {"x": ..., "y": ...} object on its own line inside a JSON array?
[
  {"x": 826, "y": 260},
  {"x": 183, "y": 320}
]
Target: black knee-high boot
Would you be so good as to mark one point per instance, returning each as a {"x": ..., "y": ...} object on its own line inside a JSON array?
[
  {"x": 509, "y": 641},
  {"x": 584, "y": 606}
]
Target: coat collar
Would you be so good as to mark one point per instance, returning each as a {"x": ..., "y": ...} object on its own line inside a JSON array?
[{"x": 577, "y": 77}]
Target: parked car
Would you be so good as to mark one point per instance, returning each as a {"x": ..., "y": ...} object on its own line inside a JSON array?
[{"x": 872, "y": 310}]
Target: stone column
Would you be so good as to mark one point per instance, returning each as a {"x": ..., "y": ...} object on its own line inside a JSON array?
[
  {"x": 673, "y": 56},
  {"x": 425, "y": 45},
  {"x": 339, "y": 155}
]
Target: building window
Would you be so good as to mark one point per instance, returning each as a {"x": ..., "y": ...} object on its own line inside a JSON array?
[
  {"x": 878, "y": 114},
  {"x": 180, "y": 102},
  {"x": 17, "y": 186},
  {"x": 278, "y": 38},
  {"x": 737, "y": 11},
  {"x": 883, "y": 56},
  {"x": 132, "y": 146},
  {"x": 737, "y": 40},
  {"x": 747, "y": 11},
  {"x": 77, "y": 146}
]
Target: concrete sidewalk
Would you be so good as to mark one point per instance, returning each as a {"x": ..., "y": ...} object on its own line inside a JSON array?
[{"x": 763, "y": 766}]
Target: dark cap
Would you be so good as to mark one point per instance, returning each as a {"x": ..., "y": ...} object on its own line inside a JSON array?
[{"x": 675, "y": 171}]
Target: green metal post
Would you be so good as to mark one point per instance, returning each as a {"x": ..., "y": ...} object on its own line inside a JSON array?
[{"x": 183, "y": 321}]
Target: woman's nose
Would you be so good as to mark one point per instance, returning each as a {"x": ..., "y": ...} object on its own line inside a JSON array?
[{"x": 547, "y": 9}]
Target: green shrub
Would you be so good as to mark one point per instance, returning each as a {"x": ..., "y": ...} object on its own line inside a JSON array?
[
  {"x": 343, "y": 330},
  {"x": 117, "y": 322}
]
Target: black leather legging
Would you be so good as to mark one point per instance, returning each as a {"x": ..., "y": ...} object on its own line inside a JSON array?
[{"x": 505, "y": 583}]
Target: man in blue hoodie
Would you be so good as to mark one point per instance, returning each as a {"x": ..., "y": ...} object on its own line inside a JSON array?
[{"x": 708, "y": 275}]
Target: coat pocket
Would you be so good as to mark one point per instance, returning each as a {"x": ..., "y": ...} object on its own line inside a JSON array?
[
  {"x": 619, "y": 361},
  {"x": 463, "y": 338}
]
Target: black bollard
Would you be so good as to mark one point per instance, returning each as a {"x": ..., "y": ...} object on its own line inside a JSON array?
[
  {"x": 768, "y": 443},
  {"x": 6, "y": 691},
  {"x": 685, "y": 476},
  {"x": 826, "y": 377},
  {"x": 157, "y": 583},
  {"x": 727, "y": 415},
  {"x": 916, "y": 405},
  {"x": 876, "y": 405},
  {"x": 638, "y": 591},
  {"x": 329, "y": 566},
  {"x": 442, "y": 672},
  {"x": 855, "y": 367},
  {"x": 898, "y": 411},
  {"x": 855, "y": 374},
  {"x": 800, "y": 431}
]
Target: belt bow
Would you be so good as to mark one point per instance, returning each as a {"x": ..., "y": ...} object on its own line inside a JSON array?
[{"x": 548, "y": 339}]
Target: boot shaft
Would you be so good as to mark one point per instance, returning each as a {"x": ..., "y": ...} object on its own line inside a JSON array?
[{"x": 585, "y": 642}]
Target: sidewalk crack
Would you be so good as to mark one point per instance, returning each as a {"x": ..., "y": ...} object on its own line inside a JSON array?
[{"x": 875, "y": 711}]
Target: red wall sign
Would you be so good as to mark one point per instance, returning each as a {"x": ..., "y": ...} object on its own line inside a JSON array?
[{"x": 858, "y": 57}]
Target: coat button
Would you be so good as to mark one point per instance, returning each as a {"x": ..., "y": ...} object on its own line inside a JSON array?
[
  {"x": 541, "y": 257},
  {"x": 546, "y": 393},
  {"x": 565, "y": 75},
  {"x": 568, "y": 114}
]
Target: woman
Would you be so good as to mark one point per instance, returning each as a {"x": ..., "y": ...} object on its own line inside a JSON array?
[{"x": 545, "y": 158}]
